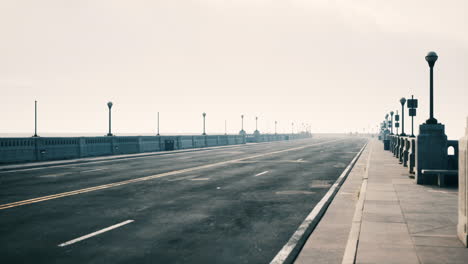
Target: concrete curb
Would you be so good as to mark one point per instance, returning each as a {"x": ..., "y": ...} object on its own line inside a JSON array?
[
  {"x": 349, "y": 256},
  {"x": 291, "y": 249}
]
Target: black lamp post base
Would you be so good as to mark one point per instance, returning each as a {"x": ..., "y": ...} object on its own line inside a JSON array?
[
  {"x": 432, "y": 121},
  {"x": 204, "y": 134},
  {"x": 403, "y": 134},
  {"x": 109, "y": 134}
]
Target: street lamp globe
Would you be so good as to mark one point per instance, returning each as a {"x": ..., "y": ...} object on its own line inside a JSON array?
[
  {"x": 403, "y": 100},
  {"x": 204, "y": 114},
  {"x": 431, "y": 58},
  {"x": 109, "y": 104}
]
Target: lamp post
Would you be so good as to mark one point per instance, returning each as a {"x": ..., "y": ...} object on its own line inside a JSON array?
[
  {"x": 158, "y": 124},
  {"x": 256, "y": 123},
  {"x": 35, "y": 119},
  {"x": 242, "y": 122},
  {"x": 431, "y": 58},
  {"x": 242, "y": 132},
  {"x": 225, "y": 127},
  {"x": 109, "y": 105},
  {"x": 204, "y": 115},
  {"x": 391, "y": 122},
  {"x": 403, "y": 101},
  {"x": 276, "y": 122},
  {"x": 292, "y": 128}
]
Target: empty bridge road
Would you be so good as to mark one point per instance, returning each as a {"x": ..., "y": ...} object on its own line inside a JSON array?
[{"x": 238, "y": 204}]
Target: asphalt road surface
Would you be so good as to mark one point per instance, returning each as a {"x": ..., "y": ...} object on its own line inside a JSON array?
[{"x": 238, "y": 204}]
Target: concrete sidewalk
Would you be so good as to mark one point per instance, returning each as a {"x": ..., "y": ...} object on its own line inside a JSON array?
[{"x": 381, "y": 216}]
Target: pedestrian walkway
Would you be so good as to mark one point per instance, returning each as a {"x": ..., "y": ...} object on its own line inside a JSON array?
[{"x": 381, "y": 216}]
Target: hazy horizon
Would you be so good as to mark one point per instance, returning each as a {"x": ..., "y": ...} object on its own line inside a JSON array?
[{"x": 339, "y": 66}]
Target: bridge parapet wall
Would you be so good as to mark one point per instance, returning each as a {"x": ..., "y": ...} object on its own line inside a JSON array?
[{"x": 14, "y": 150}]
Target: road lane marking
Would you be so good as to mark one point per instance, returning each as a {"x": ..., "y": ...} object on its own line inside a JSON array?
[
  {"x": 200, "y": 179},
  {"x": 261, "y": 173},
  {"x": 151, "y": 177},
  {"x": 299, "y": 160},
  {"x": 94, "y": 233},
  {"x": 92, "y": 170},
  {"x": 293, "y": 192},
  {"x": 183, "y": 178},
  {"x": 54, "y": 175}
]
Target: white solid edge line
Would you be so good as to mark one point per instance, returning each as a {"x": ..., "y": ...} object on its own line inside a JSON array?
[
  {"x": 261, "y": 173},
  {"x": 304, "y": 229},
  {"x": 95, "y": 233}
]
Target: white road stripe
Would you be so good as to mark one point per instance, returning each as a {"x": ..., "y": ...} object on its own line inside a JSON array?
[
  {"x": 183, "y": 178},
  {"x": 95, "y": 233},
  {"x": 54, "y": 175},
  {"x": 261, "y": 173},
  {"x": 299, "y": 160},
  {"x": 93, "y": 170}
]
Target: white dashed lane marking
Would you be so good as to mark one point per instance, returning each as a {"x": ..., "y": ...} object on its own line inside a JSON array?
[
  {"x": 94, "y": 233},
  {"x": 261, "y": 173}
]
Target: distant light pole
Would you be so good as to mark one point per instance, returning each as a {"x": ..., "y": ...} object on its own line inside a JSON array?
[
  {"x": 256, "y": 123},
  {"x": 292, "y": 128},
  {"x": 204, "y": 115},
  {"x": 412, "y": 105},
  {"x": 431, "y": 58},
  {"x": 276, "y": 122},
  {"x": 225, "y": 127},
  {"x": 109, "y": 105},
  {"x": 242, "y": 132},
  {"x": 158, "y": 125},
  {"x": 35, "y": 119},
  {"x": 391, "y": 122},
  {"x": 386, "y": 121},
  {"x": 403, "y": 101}
]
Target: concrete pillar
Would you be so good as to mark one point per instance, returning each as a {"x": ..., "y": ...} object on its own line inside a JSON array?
[
  {"x": 431, "y": 149},
  {"x": 412, "y": 155},
  {"x": 82, "y": 147},
  {"x": 139, "y": 144},
  {"x": 463, "y": 188}
]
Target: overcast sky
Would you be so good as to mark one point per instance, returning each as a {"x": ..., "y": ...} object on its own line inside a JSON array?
[{"x": 338, "y": 65}]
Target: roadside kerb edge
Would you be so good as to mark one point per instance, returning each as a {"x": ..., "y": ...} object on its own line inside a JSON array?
[{"x": 291, "y": 249}]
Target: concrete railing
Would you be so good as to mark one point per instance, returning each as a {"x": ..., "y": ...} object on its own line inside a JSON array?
[
  {"x": 14, "y": 150},
  {"x": 463, "y": 188},
  {"x": 404, "y": 148}
]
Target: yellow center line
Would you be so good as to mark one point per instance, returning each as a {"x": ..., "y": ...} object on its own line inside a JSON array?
[{"x": 151, "y": 177}]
